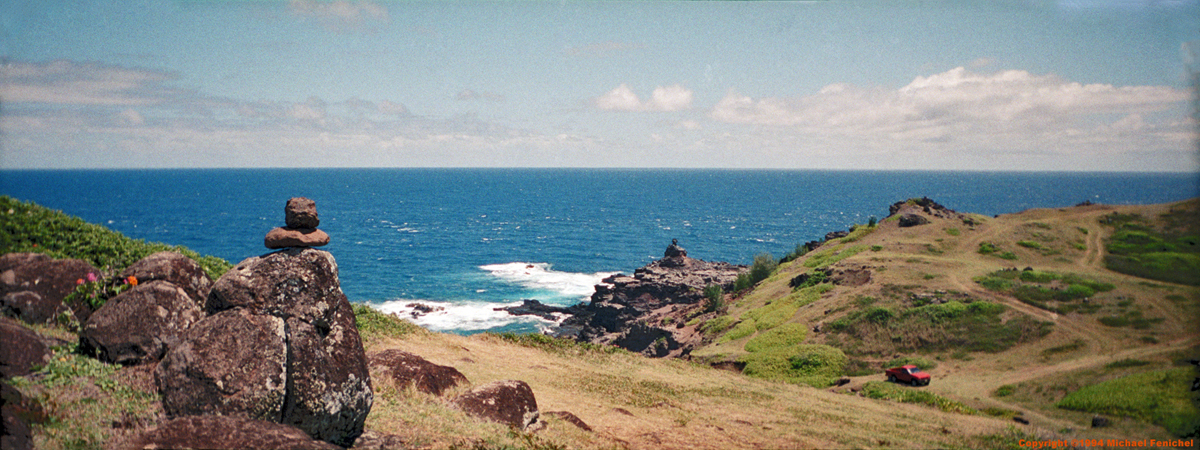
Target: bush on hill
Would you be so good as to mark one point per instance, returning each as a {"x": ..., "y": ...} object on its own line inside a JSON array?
[
  {"x": 1166, "y": 252},
  {"x": 815, "y": 365},
  {"x": 1161, "y": 397},
  {"x": 975, "y": 326},
  {"x": 28, "y": 227}
]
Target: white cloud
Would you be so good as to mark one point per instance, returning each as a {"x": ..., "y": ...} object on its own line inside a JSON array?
[
  {"x": 663, "y": 99},
  {"x": 966, "y": 110},
  {"x": 69, "y": 83}
]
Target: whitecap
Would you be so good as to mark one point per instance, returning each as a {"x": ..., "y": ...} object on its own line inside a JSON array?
[
  {"x": 459, "y": 316},
  {"x": 539, "y": 276}
]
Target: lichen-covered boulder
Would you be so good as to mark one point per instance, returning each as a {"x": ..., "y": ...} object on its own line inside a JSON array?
[
  {"x": 139, "y": 325},
  {"x": 175, "y": 268},
  {"x": 30, "y": 307},
  {"x": 226, "y": 432},
  {"x": 328, "y": 388},
  {"x": 51, "y": 279},
  {"x": 231, "y": 363},
  {"x": 22, "y": 350},
  {"x": 406, "y": 368},
  {"x": 510, "y": 402}
]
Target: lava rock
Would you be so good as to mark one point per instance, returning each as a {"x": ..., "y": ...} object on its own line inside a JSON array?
[
  {"x": 911, "y": 220},
  {"x": 139, "y": 325},
  {"x": 51, "y": 279},
  {"x": 175, "y": 268},
  {"x": 226, "y": 432},
  {"x": 23, "y": 349},
  {"x": 510, "y": 402},
  {"x": 301, "y": 212},
  {"x": 295, "y": 237},
  {"x": 406, "y": 368}
]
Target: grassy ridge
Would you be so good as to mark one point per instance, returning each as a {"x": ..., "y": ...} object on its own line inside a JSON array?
[
  {"x": 1162, "y": 397},
  {"x": 1166, "y": 252},
  {"x": 28, "y": 227}
]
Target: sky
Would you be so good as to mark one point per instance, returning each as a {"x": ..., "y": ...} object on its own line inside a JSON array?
[{"x": 909, "y": 85}]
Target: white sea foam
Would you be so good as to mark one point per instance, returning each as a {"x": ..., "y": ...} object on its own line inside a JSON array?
[
  {"x": 539, "y": 276},
  {"x": 459, "y": 316}
]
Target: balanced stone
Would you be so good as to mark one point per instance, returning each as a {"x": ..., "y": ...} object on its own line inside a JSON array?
[
  {"x": 295, "y": 237},
  {"x": 301, "y": 212}
]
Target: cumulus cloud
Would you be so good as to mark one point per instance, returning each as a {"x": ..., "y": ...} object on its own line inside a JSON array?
[
  {"x": 663, "y": 99},
  {"x": 1006, "y": 108}
]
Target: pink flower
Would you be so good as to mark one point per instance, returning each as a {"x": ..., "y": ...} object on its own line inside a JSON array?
[{"x": 91, "y": 277}]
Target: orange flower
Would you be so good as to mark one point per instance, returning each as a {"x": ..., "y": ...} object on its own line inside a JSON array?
[
  {"x": 79, "y": 281},
  {"x": 132, "y": 280}
]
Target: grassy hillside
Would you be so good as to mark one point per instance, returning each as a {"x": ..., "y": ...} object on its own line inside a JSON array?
[{"x": 1054, "y": 345}]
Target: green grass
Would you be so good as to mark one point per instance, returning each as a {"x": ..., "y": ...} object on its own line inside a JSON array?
[
  {"x": 1034, "y": 288},
  {"x": 1164, "y": 252},
  {"x": 893, "y": 392},
  {"x": 814, "y": 365},
  {"x": 558, "y": 345},
  {"x": 922, "y": 363},
  {"x": 28, "y": 227},
  {"x": 781, "y": 310},
  {"x": 826, "y": 258},
  {"x": 1161, "y": 397},
  {"x": 374, "y": 324},
  {"x": 785, "y": 335}
]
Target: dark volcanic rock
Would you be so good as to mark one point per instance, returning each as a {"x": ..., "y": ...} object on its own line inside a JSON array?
[
  {"x": 52, "y": 280},
  {"x": 18, "y": 412},
  {"x": 230, "y": 363},
  {"x": 628, "y": 311},
  {"x": 175, "y": 268},
  {"x": 570, "y": 418},
  {"x": 22, "y": 350},
  {"x": 328, "y": 389},
  {"x": 139, "y": 325},
  {"x": 674, "y": 250},
  {"x": 226, "y": 432},
  {"x": 509, "y": 402},
  {"x": 536, "y": 308},
  {"x": 911, "y": 220},
  {"x": 406, "y": 368},
  {"x": 31, "y": 307},
  {"x": 301, "y": 212}
]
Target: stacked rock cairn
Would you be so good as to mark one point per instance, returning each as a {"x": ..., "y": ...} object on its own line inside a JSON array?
[{"x": 300, "y": 214}]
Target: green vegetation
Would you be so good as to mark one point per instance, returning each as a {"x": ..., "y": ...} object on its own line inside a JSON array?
[
  {"x": 1004, "y": 391},
  {"x": 762, "y": 268},
  {"x": 953, "y": 231},
  {"x": 814, "y": 365},
  {"x": 714, "y": 298},
  {"x": 785, "y": 335},
  {"x": 1162, "y": 397},
  {"x": 1073, "y": 346},
  {"x": 858, "y": 232},
  {"x": 1127, "y": 362},
  {"x": 776, "y": 311},
  {"x": 1167, "y": 252},
  {"x": 975, "y": 326},
  {"x": 826, "y": 258},
  {"x": 557, "y": 345},
  {"x": 1040, "y": 288},
  {"x": 28, "y": 227},
  {"x": 890, "y": 391},
  {"x": 374, "y": 324}
]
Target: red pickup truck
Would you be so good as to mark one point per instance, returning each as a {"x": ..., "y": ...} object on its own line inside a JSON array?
[{"x": 908, "y": 374}]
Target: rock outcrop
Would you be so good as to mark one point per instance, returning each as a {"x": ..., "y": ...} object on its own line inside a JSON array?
[
  {"x": 226, "y": 432},
  {"x": 139, "y": 325},
  {"x": 300, "y": 215},
  {"x": 647, "y": 312},
  {"x": 176, "y": 269},
  {"x": 284, "y": 315},
  {"x": 406, "y": 368},
  {"x": 510, "y": 402},
  {"x": 17, "y": 411},
  {"x": 52, "y": 280}
]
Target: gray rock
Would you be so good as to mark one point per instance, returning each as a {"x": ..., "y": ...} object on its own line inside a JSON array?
[
  {"x": 230, "y": 363},
  {"x": 139, "y": 325}
]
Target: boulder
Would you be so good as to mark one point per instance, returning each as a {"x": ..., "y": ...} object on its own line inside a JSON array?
[
  {"x": 176, "y": 268},
  {"x": 230, "y": 363},
  {"x": 674, "y": 250},
  {"x": 374, "y": 440},
  {"x": 295, "y": 237},
  {"x": 1099, "y": 421},
  {"x": 406, "y": 368},
  {"x": 51, "y": 279},
  {"x": 23, "y": 349},
  {"x": 328, "y": 386},
  {"x": 9, "y": 261},
  {"x": 509, "y": 402},
  {"x": 18, "y": 411},
  {"x": 139, "y": 325},
  {"x": 226, "y": 432},
  {"x": 30, "y": 307},
  {"x": 301, "y": 212},
  {"x": 567, "y": 416},
  {"x": 911, "y": 220}
]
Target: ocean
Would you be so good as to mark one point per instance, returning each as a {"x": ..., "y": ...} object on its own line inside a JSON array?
[{"x": 470, "y": 240}]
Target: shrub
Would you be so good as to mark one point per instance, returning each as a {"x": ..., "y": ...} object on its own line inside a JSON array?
[
  {"x": 1004, "y": 391},
  {"x": 714, "y": 297},
  {"x": 923, "y": 363},
  {"x": 373, "y": 323},
  {"x": 890, "y": 391},
  {"x": 744, "y": 328},
  {"x": 764, "y": 265}
]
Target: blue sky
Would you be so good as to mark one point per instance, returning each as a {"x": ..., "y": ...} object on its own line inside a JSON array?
[{"x": 1007, "y": 85}]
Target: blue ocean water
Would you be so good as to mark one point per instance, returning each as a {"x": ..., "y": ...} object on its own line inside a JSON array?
[{"x": 470, "y": 240}]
